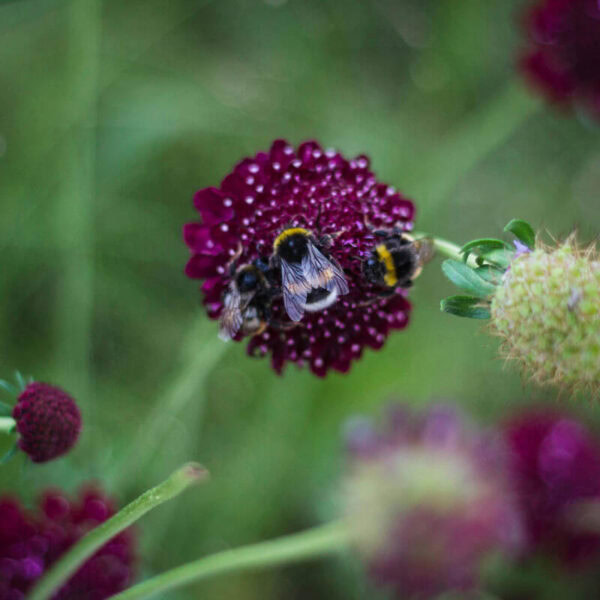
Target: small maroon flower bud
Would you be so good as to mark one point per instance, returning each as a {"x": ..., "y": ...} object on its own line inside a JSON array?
[
  {"x": 563, "y": 59},
  {"x": 330, "y": 197},
  {"x": 30, "y": 542},
  {"x": 428, "y": 501},
  {"x": 556, "y": 472},
  {"x": 48, "y": 421}
]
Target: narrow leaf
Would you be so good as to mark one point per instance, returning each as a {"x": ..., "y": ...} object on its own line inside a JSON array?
[
  {"x": 466, "y": 278},
  {"x": 523, "y": 231},
  {"x": 466, "y": 306},
  {"x": 20, "y": 381},
  {"x": 9, "y": 454},
  {"x": 9, "y": 387}
]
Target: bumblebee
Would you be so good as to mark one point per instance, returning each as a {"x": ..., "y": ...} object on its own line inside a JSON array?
[
  {"x": 247, "y": 301},
  {"x": 396, "y": 260},
  {"x": 310, "y": 279}
]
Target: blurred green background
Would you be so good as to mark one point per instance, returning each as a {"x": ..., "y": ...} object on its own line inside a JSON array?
[{"x": 113, "y": 113}]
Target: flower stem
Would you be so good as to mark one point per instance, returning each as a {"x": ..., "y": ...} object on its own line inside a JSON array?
[
  {"x": 445, "y": 247},
  {"x": 200, "y": 353},
  {"x": 316, "y": 542},
  {"x": 7, "y": 424},
  {"x": 74, "y": 225},
  {"x": 186, "y": 476}
]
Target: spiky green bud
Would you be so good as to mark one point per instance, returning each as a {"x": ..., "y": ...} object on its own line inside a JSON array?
[{"x": 547, "y": 310}]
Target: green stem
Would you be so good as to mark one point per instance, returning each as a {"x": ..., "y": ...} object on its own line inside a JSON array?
[
  {"x": 76, "y": 200},
  {"x": 60, "y": 572},
  {"x": 320, "y": 541},
  {"x": 7, "y": 424},
  {"x": 200, "y": 353}
]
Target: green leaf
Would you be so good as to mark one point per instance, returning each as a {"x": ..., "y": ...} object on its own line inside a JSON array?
[
  {"x": 482, "y": 246},
  {"x": 466, "y": 306},
  {"x": 490, "y": 273},
  {"x": 9, "y": 387},
  {"x": 20, "y": 380},
  {"x": 498, "y": 258},
  {"x": 9, "y": 454},
  {"x": 523, "y": 231},
  {"x": 467, "y": 279}
]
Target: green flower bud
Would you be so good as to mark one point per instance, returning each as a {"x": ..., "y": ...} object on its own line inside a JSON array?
[{"x": 547, "y": 310}]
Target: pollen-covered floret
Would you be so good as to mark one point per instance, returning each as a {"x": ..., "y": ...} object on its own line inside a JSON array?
[
  {"x": 329, "y": 196},
  {"x": 48, "y": 421},
  {"x": 547, "y": 311},
  {"x": 427, "y": 501}
]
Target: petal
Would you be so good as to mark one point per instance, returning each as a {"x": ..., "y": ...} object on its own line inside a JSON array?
[{"x": 213, "y": 205}]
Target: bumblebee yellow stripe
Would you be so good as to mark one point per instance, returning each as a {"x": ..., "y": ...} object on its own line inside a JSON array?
[
  {"x": 386, "y": 257},
  {"x": 284, "y": 235}
]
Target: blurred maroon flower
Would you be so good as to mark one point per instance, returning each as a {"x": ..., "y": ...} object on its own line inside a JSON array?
[
  {"x": 48, "y": 421},
  {"x": 327, "y": 194},
  {"x": 556, "y": 468},
  {"x": 428, "y": 502},
  {"x": 31, "y": 542},
  {"x": 563, "y": 59}
]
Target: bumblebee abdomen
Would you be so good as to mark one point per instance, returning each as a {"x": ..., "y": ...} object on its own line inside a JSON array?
[{"x": 386, "y": 258}]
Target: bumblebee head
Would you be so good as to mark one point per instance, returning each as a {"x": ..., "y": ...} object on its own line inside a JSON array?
[
  {"x": 374, "y": 269},
  {"x": 248, "y": 279},
  {"x": 292, "y": 244}
]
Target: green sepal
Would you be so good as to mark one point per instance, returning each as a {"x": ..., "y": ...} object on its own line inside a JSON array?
[
  {"x": 466, "y": 306},
  {"x": 498, "y": 257},
  {"x": 490, "y": 273},
  {"x": 467, "y": 279},
  {"x": 482, "y": 246},
  {"x": 13, "y": 450},
  {"x": 523, "y": 231},
  {"x": 20, "y": 381}
]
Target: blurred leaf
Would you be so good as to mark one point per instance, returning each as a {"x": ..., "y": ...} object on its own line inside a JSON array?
[
  {"x": 466, "y": 306},
  {"x": 9, "y": 454},
  {"x": 523, "y": 231},
  {"x": 467, "y": 279},
  {"x": 490, "y": 273}
]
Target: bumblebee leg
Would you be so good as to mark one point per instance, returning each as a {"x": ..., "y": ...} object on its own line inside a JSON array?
[{"x": 231, "y": 265}]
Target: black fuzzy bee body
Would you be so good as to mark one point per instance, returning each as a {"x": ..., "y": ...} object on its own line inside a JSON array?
[
  {"x": 310, "y": 279},
  {"x": 396, "y": 260}
]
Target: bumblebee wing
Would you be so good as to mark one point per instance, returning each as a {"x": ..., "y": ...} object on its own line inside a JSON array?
[
  {"x": 231, "y": 318},
  {"x": 295, "y": 289},
  {"x": 425, "y": 250},
  {"x": 322, "y": 272}
]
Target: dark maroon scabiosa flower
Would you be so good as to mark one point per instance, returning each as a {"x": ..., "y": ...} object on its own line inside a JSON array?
[
  {"x": 563, "y": 60},
  {"x": 30, "y": 542},
  {"x": 556, "y": 469},
  {"x": 427, "y": 500},
  {"x": 48, "y": 421},
  {"x": 329, "y": 195}
]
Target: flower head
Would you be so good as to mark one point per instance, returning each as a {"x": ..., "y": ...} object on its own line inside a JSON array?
[
  {"x": 427, "y": 501},
  {"x": 555, "y": 469},
  {"x": 563, "y": 59},
  {"x": 546, "y": 310},
  {"x": 30, "y": 542},
  {"x": 328, "y": 195},
  {"x": 48, "y": 421}
]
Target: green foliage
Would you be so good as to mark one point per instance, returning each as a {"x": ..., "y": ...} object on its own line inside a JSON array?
[
  {"x": 523, "y": 231},
  {"x": 466, "y": 306},
  {"x": 467, "y": 279}
]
